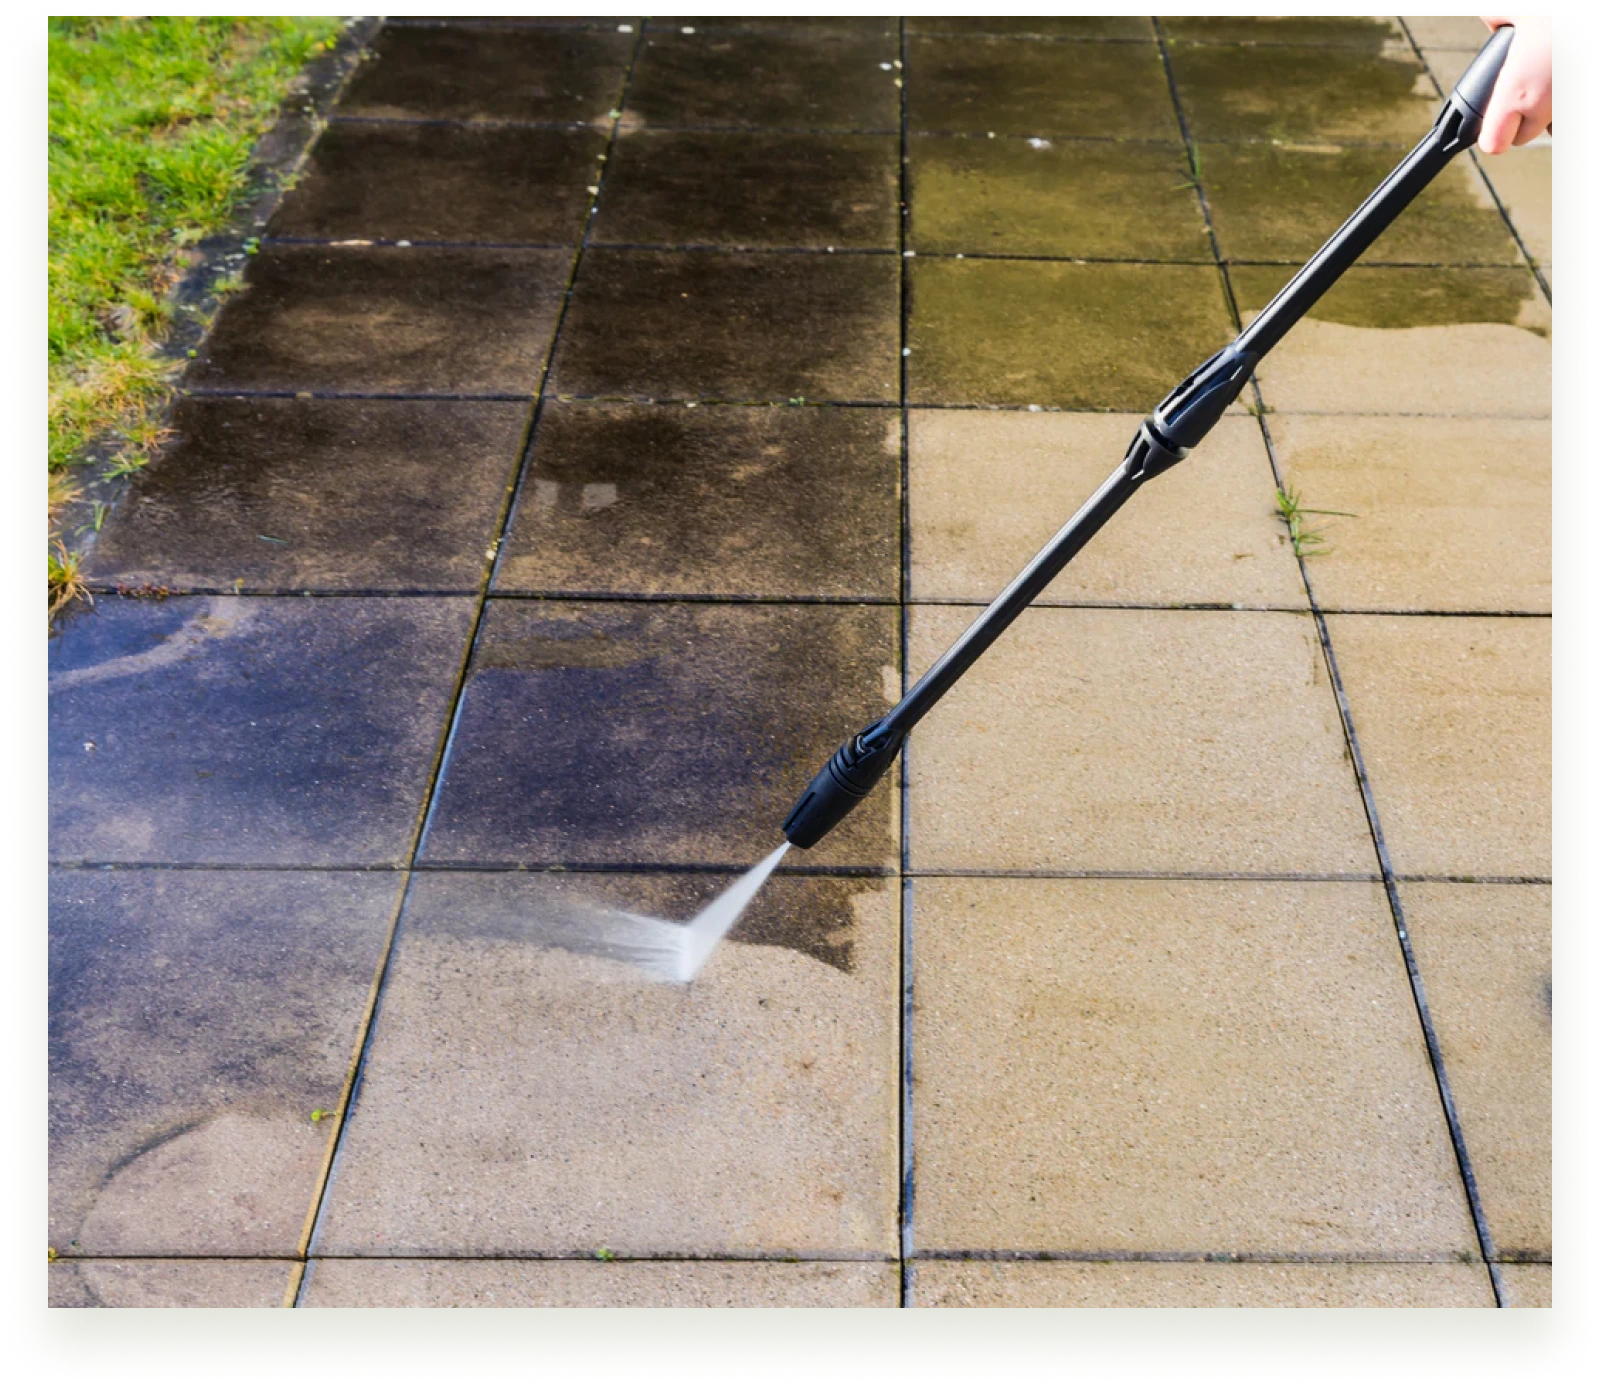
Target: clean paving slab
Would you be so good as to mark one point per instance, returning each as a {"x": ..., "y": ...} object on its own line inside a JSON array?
[
  {"x": 938, "y": 1282},
  {"x": 1527, "y": 1285},
  {"x": 525, "y": 1095},
  {"x": 1453, "y": 715},
  {"x": 651, "y": 733},
  {"x": 221, "y": 1283},
  {"x": 1484, "y": 953},
  {"x": 716, "y": 502},
  {"x": 467, "y": 1282},
  {"x": 1402, "y": 340},
  {"x": 198, "y": 1021},
  {"x": 330, "y": 495},
  {"x": 235, "y": 730},
  {"x": 1134, "y": 741},
  {"x": 1173, "y": 1067},
  {"x": 1445, "y": 514},
  {"x": 988, "y": 490},
  {"x": 388, "y": 320}
]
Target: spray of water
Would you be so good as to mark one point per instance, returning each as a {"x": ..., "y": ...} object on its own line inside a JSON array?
[{"x": 675, "y": 951}]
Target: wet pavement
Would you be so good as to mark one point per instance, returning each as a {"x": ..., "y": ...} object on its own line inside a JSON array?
[{"x": 591, "y": 448}]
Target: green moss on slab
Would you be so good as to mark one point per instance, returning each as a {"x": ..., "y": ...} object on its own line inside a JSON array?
[
  {"x": 1354, "y": 31},
  {"x": 1109, "y": 337},
  {"x": 1273, "y": 202},
  {"x": 1019, "y": 197},
  {"x": 1409, "y": 298}
]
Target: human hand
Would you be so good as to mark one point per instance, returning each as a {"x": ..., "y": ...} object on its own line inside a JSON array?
[{"x": 1519, "y": 109}]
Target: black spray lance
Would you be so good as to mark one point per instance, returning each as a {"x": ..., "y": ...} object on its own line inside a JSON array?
[{"x": 1176, "y": 425}]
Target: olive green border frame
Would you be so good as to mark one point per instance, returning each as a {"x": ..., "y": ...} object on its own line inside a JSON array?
[{"x": 108, "y": 1344}]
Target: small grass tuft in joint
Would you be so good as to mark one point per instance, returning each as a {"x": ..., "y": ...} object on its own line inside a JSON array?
[{"x": 1292, "y": 511}]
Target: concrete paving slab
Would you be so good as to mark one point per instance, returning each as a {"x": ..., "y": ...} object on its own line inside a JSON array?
[
  {"x": 1528, "y": 1285},
  {"x": 1108, "y": 27},
  {"x": 989, "y": 489},
  {"x": 261, "y": 731},
  {"x": 975, "y": 86},
  {"x": 709, "y": 325},
  {"x": 172, "y": 1282},
  {"x": 717, "y": 502},
  {"x": 1409, "y": 341},
  {"x": 1135, "y": 741},
  {"x": 387, "y": 320},
  {"x": 198, "y": 1020},
  {"x": 475, "y": 72},
  {"x": 1524, "y": 179},
  {"x": 1448, "y": 514},
  {"x": 662, "y": 734},
  {"x": 1453, "y": 714},
  {"x": 1441, "y": 31},
  {"x": 1328, "y": 94},
  {"x": 1484, "y": 952},
  {"x": 1173, "y": 1067},
  {"x": 716, "y": 188},
  {"x": 558, "y": 1282},
  {"x": 942, "y": 1283},
  {"x": 1370, "y": 34},
  {"x": 1059, "y": 335},
  {"x": 1033, "y": 197},
  {"x": 1270, "y": 202},
  {"x": 519, "y": 1099},
  {"x": 816, "y": 26},
  {"x": 323, "y": 494},
  {"x": 775, "y": 79},
  {"x": 394, "y": 181}
]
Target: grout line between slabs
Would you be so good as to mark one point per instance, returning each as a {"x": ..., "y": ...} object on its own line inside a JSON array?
[
  {"x": 318, "y": 1207},
  {"x": 1363, "y": 783}
]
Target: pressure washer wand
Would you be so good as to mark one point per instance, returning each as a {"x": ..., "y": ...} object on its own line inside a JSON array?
[{"x": 1175, "y": 426}]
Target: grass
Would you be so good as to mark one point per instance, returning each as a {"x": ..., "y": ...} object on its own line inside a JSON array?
[
  {"x": 152, "y": 121},
  {"x": 1293, "y": 511}
]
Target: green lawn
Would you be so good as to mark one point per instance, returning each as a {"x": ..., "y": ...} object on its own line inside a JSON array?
[{"x": 152, "y": 121}]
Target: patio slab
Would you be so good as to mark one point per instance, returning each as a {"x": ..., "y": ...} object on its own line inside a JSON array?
[
  {"x": 989, "y": 489},
  {"x": 474, "y": 73},
  {"x": 975, "y": 86},
  {"x": 710, "y": 325},
  {"x": 1328, "y": 93},
  {"x": 662, "y": 734},
  {"x": 1524, "y": 179},
  {"x": 323, "y": 494},
  {"x": 1484, "y": 952},
  {"x": 777, "y": 79},
  {"x": 950, "y": 1283},
  {"x": 1269, "y": 202},
  {"x": 1528, "y": 1285},
  {"x": 387, "y": 320},
  {"x": 1409, "y": 341},
  {"x": 198, "y": 1019},
  {"x": 1054, "y": 198},
  {"x": 551, "y": 1282},
  {"x": 1060, "y": 335},
  {"x": 393, "y": 181},
  {"x": 1449, "y": 514},
  {"x": 172, "y": 1282},
  {"x": 1173, "y": 1067},
  {"x": 1135, "y": 741},
  {"x": 1109, "y": 27},
  {"x": 1440, "y": 31},
  {"x": 260, "y": 731},
  {"x": 519, "y": 1099},
  {"x": 638, "y": 500},
  {"x": 1453, "y": 714},
  {"x": 1370, "y": 34},
  {"x": 714, "y": 188}
]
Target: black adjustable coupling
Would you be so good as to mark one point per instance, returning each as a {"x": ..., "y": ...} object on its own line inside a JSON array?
[{"x": 842, "y": 783}]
